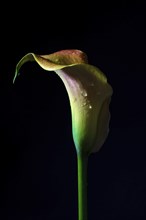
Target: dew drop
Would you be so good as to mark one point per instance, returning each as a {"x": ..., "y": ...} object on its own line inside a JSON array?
[
  {"x": 84, "y": 93},
  {"x": 90, "y": 106},
  {"x": 84, "y": 103}
]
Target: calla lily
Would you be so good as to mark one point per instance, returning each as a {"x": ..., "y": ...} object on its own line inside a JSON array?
[{"x": 89, "y": 95}]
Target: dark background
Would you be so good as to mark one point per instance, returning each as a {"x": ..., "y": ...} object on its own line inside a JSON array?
[{"x": 38, "y": 173}]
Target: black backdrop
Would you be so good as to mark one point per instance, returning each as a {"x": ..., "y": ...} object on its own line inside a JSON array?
[{"x": 38, "y": 178}]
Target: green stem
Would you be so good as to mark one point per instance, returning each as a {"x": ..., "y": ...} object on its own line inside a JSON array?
[{"x": 82, "y": 161}]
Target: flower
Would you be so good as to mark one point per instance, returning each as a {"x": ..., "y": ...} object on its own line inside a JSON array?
[{"x": 89, "y": 95}]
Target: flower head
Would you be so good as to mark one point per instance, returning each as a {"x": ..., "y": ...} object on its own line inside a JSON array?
[{"x": 89, "y": 95}]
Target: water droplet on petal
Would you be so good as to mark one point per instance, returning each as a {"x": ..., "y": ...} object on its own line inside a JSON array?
[
  {"x": 84, "y": 93},
  {"x": 84, "y": 103}
]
